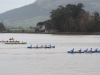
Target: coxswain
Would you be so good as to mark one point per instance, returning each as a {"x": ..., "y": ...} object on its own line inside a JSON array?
[
  {"x": 12, "y": 38},
  {"x": 41, "y": 45}
]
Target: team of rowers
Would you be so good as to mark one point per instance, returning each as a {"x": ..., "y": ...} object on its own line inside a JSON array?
[
  {"x": 11, "y": 40},
  {"x": 42, "y": 46}
]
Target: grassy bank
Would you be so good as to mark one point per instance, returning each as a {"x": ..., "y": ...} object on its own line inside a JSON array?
[
  {"x": 58, "y": 33},
  {"x": 77, "y": 33}
]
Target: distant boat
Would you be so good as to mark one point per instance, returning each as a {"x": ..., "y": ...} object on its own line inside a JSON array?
[
  {"x": 12, "y": 41},
  {"x": 85, "y": 51},
  {"x": 16, "y": 43},
  {"x": 41, "y": 47},
  {"x": 8, "y": 41}
]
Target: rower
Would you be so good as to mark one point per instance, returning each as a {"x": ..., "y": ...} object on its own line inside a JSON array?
[
  {"x": 12, "y": 38},
  {"x": 37, "y": 46},
  {"x": 96, "y": 49},
  {"x": 86, "y": 50},
  {"x": 45, "y": 45},
  {"x": 72, "y": 50},
  {"x": 91, "y": 50},
  {"x": 80, "y": 50},
  {"x": 50, "y": 45},
  {"x": 41, "y": 45},
  {"x": 31, "y": 46}
]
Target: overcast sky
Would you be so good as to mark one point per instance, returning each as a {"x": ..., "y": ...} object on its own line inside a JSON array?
[{"x": 6, "y": 5}]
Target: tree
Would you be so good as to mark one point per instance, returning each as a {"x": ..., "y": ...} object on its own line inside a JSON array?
[
  {"x": 61, "y": 16},
  {"x": 2, "y": 27},
  {"x": 96, "y": 17}
]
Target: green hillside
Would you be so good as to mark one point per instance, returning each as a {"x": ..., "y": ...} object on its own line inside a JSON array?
[{"x": 27, "y": 23}]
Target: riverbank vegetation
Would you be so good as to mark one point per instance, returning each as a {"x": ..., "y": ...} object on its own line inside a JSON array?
[
  {"x": 73, "y": 18},
  {"x": 2, "y": 27}
]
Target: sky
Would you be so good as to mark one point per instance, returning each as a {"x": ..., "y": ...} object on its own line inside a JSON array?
[{"x": 6, "y": 5}]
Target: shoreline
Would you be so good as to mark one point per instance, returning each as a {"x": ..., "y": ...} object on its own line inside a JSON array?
[{"x": 61, "y": 33}]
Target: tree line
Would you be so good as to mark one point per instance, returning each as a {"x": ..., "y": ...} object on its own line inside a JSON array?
[{"x": 72, "y": 18}]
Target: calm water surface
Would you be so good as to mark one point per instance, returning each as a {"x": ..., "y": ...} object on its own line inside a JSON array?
[{"x": 18, "y": 60}]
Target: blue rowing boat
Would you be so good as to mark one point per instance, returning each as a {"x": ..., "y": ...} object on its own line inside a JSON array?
[
  {"x": 41, "y": 47},
  {"x": 85, "y": 51}
]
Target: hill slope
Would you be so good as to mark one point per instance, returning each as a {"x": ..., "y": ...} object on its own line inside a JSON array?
[{"x": 40, "y": 10}]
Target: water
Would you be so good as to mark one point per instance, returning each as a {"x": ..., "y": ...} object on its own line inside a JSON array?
[{"x": 18, "y": 60}]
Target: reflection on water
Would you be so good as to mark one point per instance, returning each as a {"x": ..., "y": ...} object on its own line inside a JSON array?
[{"x": 18, "y": 60}]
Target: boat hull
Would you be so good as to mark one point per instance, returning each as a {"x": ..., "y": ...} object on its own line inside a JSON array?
[
  {"x": 74, "y": 52},
  {"x": 16, "y": 43},
  {"x": 41, "y": 47},
  {"x": 83, "y": 52}
]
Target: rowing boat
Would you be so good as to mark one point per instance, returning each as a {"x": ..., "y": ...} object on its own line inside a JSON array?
[
  {"x": 85, "y": 51},
  {"x": 41, "y": 47},
  {"x": 16, "y": 43},
  {"x": 8, "y": 41}
]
